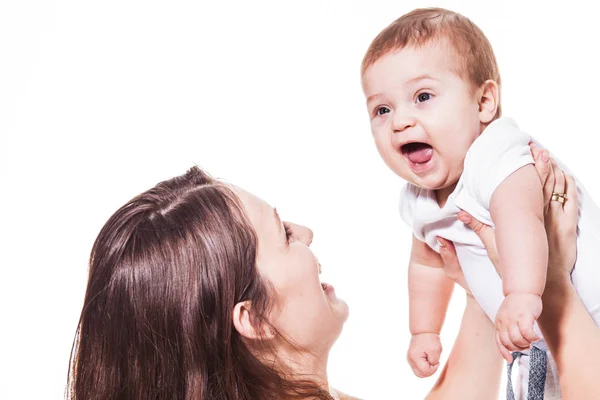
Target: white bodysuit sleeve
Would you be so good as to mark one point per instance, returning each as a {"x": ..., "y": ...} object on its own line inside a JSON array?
[{"x": 499, "y": 151}]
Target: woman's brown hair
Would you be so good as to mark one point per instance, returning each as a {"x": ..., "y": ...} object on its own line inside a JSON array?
[{"x": 165, "y": 273}]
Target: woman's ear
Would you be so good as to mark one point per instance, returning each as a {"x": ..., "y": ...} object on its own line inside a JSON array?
[
  {"x": 488, "y": 100},
  {"x": 242, "y": 322}
]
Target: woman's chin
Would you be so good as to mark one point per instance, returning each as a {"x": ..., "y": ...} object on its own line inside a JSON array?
[
  {"x": 341, "y": 310},
  {"x": 338, "y": 306}
]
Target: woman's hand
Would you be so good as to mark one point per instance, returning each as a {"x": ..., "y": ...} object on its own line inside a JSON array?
[
  {"x": 560, "y": 219},
  {"x": 560, "y": 223},
  {"x": 568, "y": 328},
  {"x": 448, "y": 252}
]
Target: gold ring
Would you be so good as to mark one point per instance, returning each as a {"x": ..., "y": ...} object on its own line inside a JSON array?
[{"x": 560, "y": 197}]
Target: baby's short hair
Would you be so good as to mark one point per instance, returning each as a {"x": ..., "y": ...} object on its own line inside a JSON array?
[{"x": 473, "y": 50}]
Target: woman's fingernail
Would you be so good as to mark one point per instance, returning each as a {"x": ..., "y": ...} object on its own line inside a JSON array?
[
  {"x": 464, "y": 218},
  {"x": 439, "y": 240},
  {"x": 545, "y": 156}
]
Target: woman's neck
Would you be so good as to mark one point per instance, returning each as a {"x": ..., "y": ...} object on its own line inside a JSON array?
[{"x": 305, "y": 365}]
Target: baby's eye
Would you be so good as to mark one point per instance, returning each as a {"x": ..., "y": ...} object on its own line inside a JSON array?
[
  {"x": 382, "y": 110},
  {"x": 424, "y": 97}
]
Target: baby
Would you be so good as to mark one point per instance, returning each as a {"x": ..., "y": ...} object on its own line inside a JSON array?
[{"x": 433, "y": 95}]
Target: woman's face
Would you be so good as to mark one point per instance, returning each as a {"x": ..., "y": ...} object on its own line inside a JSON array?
[{"x": 307, "y": 311}]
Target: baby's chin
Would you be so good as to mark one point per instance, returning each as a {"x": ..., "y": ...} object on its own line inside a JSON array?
[
  {"x": 433, "y": 181},
  {"x": 435, "y": 174}
]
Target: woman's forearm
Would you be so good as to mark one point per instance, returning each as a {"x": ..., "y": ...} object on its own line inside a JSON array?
[
  {"x": 474, "y": 366},
  {"x": 573, "y": 339}
]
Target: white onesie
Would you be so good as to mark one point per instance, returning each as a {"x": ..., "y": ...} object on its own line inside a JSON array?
[{"x": 499, "y": 151}]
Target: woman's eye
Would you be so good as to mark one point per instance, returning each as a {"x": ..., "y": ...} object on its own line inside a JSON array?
[
  {"x": 288, "y": 232},
  {"x": 382, "y": 110},
  {"x": 424, "y": 97}
]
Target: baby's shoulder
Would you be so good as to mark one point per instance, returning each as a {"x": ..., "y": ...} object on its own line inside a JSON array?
[
  {"x": 499, "y": 151},
  {"x": 499, "y": 138}
]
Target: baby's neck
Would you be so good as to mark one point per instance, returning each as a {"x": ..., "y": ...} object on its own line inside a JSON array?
[{"x": 442, "y": 195}]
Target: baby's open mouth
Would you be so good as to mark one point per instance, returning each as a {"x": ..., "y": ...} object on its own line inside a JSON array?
[{"x": 417, "y": 152}]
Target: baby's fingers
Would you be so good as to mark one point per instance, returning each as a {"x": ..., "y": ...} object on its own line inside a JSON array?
[
  {"x": 503, "y": 350},
  {"x": 526, "y": 329},
  {"x": 422, "y": 368},
  {"x": 517, "y": 338},
  {"x": 433, "y": 357},
  {"x": 507, "y": 341}
]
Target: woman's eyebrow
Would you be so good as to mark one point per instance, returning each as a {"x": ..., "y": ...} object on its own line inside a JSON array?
[{"x": 276, "y": 214}]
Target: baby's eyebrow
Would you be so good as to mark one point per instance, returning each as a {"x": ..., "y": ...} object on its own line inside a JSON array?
[
  {"x": 373, "y": 97},
  {"x": 419, "y": 78}
]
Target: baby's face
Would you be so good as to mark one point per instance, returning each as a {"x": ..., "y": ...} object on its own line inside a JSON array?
[{"x": 423, "y": 115}]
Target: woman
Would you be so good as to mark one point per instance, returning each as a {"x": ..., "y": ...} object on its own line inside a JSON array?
[
  {"x": 197, "y": 290},
  {"x": 570, "y": 332}
]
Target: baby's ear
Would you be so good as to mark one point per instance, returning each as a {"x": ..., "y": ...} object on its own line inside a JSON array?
[
  {"x": 488, "y": 98},
  {"x": 242, "y": 322}
]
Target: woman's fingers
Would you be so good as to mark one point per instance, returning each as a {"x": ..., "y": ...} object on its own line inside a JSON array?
[
  {"x": 541, "y": 162},
  {"x": 561, "y": 229},
  {"x": 485, "y": 232},
  {"x": 571, "y": 206},
  {"x": 559, "y": 184},
  {"x": 535, "y": 150},
  {"x": 451, "y": 263},
  {"x": 549, "y": 186}
]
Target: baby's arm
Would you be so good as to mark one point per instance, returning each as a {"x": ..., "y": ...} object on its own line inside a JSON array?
[
  {"x": 517, "y": 211},
  {"x": 429, "y": 294}
]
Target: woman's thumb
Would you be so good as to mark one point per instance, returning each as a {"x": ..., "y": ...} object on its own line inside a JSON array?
[{"x": 485, "y": 233}]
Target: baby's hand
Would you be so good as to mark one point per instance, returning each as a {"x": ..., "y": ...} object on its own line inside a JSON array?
[
  {"x": 424, "y": 354},
  {"x": 514, "y": 323}
]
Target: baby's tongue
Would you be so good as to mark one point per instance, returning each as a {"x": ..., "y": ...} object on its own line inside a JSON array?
[{"x": 419, "y": 153}]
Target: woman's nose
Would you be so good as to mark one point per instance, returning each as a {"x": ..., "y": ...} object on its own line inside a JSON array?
[{"x": 303, "y": 233}]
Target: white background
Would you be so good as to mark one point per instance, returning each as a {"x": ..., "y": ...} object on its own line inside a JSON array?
[{"x": 101, "y": 100}]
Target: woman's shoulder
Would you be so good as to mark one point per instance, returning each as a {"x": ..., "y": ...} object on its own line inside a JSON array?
[{"x": 344, "y": 396}]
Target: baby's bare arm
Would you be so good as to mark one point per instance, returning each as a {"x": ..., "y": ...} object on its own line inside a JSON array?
[
  {"x": 517, "y": 208},
  {"x": 429, "y": 289}
]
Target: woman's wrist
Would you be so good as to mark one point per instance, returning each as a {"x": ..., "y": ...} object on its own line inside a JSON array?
[
  {"x": 557, "y": 294},
  {"x": 557, "y": 281}
]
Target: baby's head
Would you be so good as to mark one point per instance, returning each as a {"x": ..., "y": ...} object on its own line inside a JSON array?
[{"x": 432, "y": 86}]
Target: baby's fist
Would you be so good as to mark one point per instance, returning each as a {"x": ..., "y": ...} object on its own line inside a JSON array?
[
  {"x": 514, "y": 323},
  {"x": 424, "y": 354}
]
